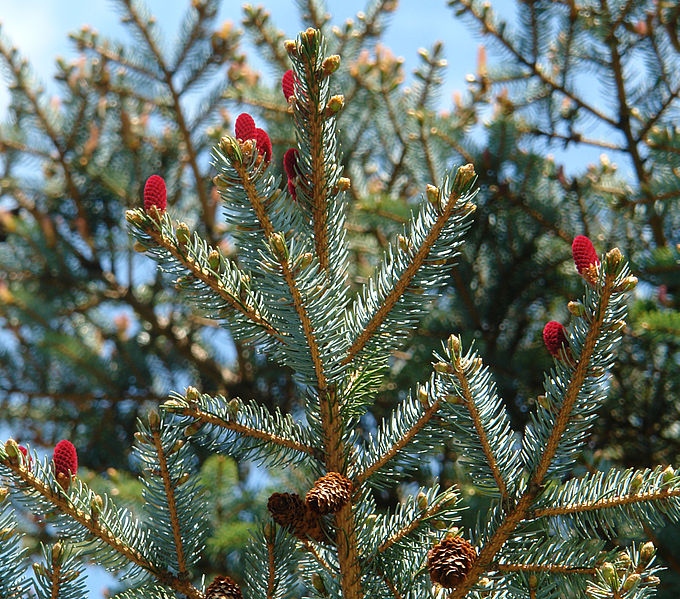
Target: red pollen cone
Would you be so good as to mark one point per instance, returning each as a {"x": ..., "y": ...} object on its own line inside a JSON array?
[
  {"x": 65, "y": 459},
  {"x": 155, "y": 194},
  {"x": 584, "y": 253},
  {"x": 290, "y": 162},
  {"x": 245, "y": 127},
  {"x": 288, "y": 84},
  {"x": 554, "y": 337},
  {"x": 264, "y": 144}
]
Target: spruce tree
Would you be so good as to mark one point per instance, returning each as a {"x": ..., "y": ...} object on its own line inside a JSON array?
[{"x": 544, "y": 532}]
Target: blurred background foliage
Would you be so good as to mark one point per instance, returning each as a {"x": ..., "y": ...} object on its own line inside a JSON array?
[{"x": 93, "y": 335}]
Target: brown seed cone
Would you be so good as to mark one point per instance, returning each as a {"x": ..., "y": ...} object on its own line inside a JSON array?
[
  {"x": 450, "y": 561},
  {"x": 290, "y": 511},
  {"x": 223, "y": 587},
  {"x": 329, "y": 493}
]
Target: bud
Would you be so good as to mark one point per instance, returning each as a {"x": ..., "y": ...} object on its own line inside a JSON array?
[
  {"x": 142, "y": 438},
  {"x": 12, "y": 451},
  {"x": 613, "y": 259},
  {"x": 192, "y": 394},
  {"x": 423, "y": 397},
  {"x": 305, "y": 260},
  {"x": 290, "y": 47},
  {"x": 653, "y": 581},
  {"x": 617, "y": 326},
  {"x": 443, "y": 368},
  {"x": 609, "y": 573},
  {"x": 56, "y": 552},
  {"x": 432, "y": 194},
  {"x": 176, "y": 447},
  {"x": 231, "y": 149},
  {"x": 183, "y": 234},
  {"x": 182, "y": 479},
  {"x": 667, "y": 475},
  {"x": 319, "y": 586},
  {"x": 533, "y": 581},
  {"x": 330, "y": 65},
  {"x": 133, "y": 216},
  {"x": 192, "y": 429},
  {"x": 630, "y": 582},
  {"x": 4, "y": 492},
  {"x": 154, "y": 420},
  {"x": 278, "y": 244},
  {"x": 139, "y": 247},
  {"x": 404, "y": 244},
  {"x": 214, "y": 260},
  {"x": 464, "y": 176},
  {"x": 576, "y": 309},
  {"x": 343, "y": 184},
  {"x": 636, "y": 483},
  {"x": 628, "y": 284},
  {"x": 454, "y": 345},
  {"x": 234, "y": 406},
  {"x": 647, "y": 552},
  {"x": 452, "y": 399},
  {"x": 422, "y": 501},
  {"x": 335, "y": 105}
]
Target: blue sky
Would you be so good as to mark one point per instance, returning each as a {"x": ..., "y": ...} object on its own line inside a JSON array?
[{"x": 40, "y": 27}]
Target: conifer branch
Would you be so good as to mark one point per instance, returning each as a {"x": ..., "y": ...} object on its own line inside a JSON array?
[
  {"x": 55, "y": 578},
  {"x": 211, "y": 281},
  {"x": 469, "y": 403},
  {"x": 208, "y": 212},
  {"x": 205, "y": 417},
  {"x": 298, "y": 301},
  {"x": 18, "y": 72},
  {"x": 403, "y": 441},
  {"x": 609, "y": 502},
  {"x": 271, "y": 565},
  {"x": 427, "y": 513},
  {"x": 168, "y": 485},
  {"x": 490, "y": 29},
  {"x": 62, "y": 502},
  {"x": 517, "y": 514},
  {"x": 417, "y": 260}
]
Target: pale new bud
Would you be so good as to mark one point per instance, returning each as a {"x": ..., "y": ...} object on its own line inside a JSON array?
[{"x": 647, "y": 552}]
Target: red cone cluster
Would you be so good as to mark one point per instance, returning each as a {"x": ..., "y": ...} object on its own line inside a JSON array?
[
  {"x": 288, "y": 84},
  {"x": 585, "y": 258},
  {"x": 554, "y": 337},
  {"x": 155, "y": 194},
  {"x": 290, "y": 159},
  {"x": 65, "y": 460},
  {"x": 245, "y": 129}
]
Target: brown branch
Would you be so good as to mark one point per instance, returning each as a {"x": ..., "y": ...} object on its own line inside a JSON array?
[
  {"x": 248, "y": 431},
  {"x": 471, "y": 406},
  {"x": 538, "y": 217},
  {"x": 399, "y": 445},
  {"x": 319, "y": 178},
  {"x": 54, "y": 575},
  {"x": 405, "y": 279},
  {"x": 172, "y": 505},
  {"x": 62, "y": 501},
  {"x": 548, "y": 569},
  {"x": 298, "y": 302},
  {"x": 248, "y": 311},
  {"x": 271, "y": 567},
  {"x": 603, "y": 504},
  {"x": 523, "y": 505}
]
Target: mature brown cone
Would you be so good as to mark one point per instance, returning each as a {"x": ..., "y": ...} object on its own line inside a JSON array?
[
  {"x": 450, "y": 561},
  {"x": 329, "y": 493},
  {"x": 290, "y": 511},
  {"x": 223, "y": 587}
]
